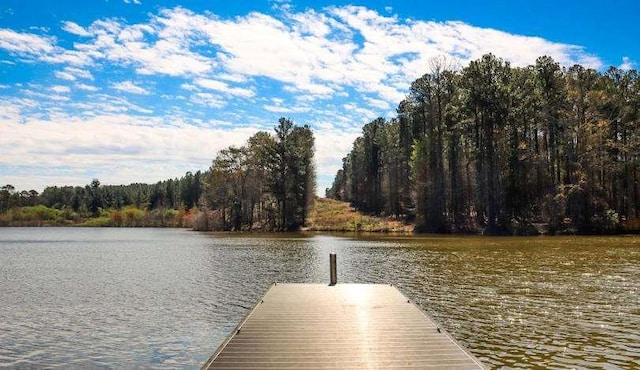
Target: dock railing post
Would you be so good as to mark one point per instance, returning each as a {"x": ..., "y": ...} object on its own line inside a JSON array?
[{"x": 332, "y": 269}]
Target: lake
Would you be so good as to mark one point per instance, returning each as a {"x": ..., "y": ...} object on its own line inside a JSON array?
[{"x": 166, "y": 298}]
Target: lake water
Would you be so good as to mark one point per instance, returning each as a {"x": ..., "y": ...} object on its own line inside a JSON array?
[{"x": 165, "y": 298}]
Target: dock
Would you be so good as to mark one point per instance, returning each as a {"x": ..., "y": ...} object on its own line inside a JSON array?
[{"x": 339, "y": 326}]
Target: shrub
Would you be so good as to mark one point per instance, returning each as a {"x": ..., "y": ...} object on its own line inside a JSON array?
[{"x": 98, "y": 222}]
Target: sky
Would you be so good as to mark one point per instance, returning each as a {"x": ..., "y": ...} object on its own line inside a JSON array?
[{"x": 132, "y": 91}]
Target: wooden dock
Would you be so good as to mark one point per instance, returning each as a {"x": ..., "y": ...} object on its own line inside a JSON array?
[{"x": 342, "y": 326}]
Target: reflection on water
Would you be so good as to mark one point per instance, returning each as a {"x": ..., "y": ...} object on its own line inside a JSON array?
[{"x": 167, "y": 298}]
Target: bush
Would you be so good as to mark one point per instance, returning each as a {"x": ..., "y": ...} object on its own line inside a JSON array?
[
  {"x": 606, "y": 222},
  {"x": 134, "y": 217},
  {"x": 117, "y": 218},
  {"x": 101, "y": 221}
]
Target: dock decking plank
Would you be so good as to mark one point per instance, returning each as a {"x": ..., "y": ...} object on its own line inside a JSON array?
[{"x": 342, "y": 326}]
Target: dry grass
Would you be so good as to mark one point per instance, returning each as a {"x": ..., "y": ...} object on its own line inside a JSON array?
[{"x": 332, "y": 215}]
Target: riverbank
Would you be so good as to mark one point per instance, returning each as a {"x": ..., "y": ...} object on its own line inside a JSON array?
[
  {"x": 326, "y": 215},
  {"x": 332, "y": 215},
  {"x": 42, "y": 216}
]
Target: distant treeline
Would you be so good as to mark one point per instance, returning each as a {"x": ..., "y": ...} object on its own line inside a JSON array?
[
  {"x": 267, "y": 184},
  {"x": 498, "y": 149},
  {"x": 105, "y": 205}
]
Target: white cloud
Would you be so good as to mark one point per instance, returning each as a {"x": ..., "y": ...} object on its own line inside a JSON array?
[
  {"x": 111, "y": 147},
  {"x": 189, "y": 87},
  {"x": 127, "y": 45},
  {"x": 79, "y": 73},
  {"x": 38, "y": 93},
  {"x": 237, "y": 78},
  {"x": 277, "y": 108},
  {"x": 212, "y": 84},
  {"x": 315, "y": 52},
  {"x": 86, "y": 87},
  {"x": 65, "y": 76},
  {"x": 60, "y": 89},
  {"x": 331, "y": 147},
  {"x": 130, "y": 87},
  {"x": 224, "y": 88},
  {"x": 75, "y": 29},
  {"x": 627, "y": 64},
  {"x": 209, "y": 100},
  {"x": 73, "y": 57},
  {"x": 377, "y": 103},
  {"x": 25, "y": 43}
]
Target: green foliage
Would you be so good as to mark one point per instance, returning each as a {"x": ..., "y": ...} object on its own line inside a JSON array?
[
  {"x": 41, "y": 212},
  {"x": 133, "y": 217},
  {"x": 182, "y": 193},
  {"x": 267, "y": 184},
  {"x": 32, "y": 216},
  {"x": 101, "y": 221}
]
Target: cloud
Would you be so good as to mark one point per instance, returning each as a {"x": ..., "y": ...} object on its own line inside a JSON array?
[
  {"x": 377, "y": 103},
  {"x": 60, "y": 89},
  {"x": 112, "y": 147},
  {"x": 316, "y": 52},
  {"x": 331, "y": 147},
  {"x": 72, "y": 74},
  {"x": 224, "y": 88},
  {"x": 627, "y": 64},
  {"x": 277, "y": 105},
  {"x": 65, "y": 76},
  {"x": 86, "y": 87},
  {"x": 75, "y": 29},
  {"x": 79, "y": 73},
  {"x": 130, "y": 87},
  {"x": 25, "y": 43},
  {"x": 130, "y": 45},
  {"x": 209, "y": 100}
]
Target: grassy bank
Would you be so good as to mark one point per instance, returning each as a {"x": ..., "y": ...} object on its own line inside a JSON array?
[
  {"x": 332, "y": 215},
  {"x": 324, "y": 215},
  {"x": 127, "y": 217}
]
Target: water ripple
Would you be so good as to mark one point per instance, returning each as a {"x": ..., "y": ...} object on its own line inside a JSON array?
[{"x": 127, "y": 298}]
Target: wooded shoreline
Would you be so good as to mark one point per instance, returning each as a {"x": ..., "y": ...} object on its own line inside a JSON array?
[
  {"x": 497, "y": 149},
  {"x": 325, "y": 215}
]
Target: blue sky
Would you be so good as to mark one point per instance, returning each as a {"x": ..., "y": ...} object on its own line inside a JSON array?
[{"x": 140, "y": 91}]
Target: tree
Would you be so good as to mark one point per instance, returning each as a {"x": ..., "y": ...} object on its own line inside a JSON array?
[
  {"x": 6, "y": 194},
  {"x": 291, "y": 176},
  {"x": 95, "y": 197},
  {"x": 269, "y": 182},
  {"x": 486, "y": 81}
]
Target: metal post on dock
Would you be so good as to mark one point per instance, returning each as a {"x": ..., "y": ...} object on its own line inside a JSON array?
[{"x": 332, "y": 269}]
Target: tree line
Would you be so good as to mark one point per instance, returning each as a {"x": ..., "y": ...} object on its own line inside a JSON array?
[
  {"x": 499, "y": 149},
  {"x": 121, "y": 205},
  {"x": 267, "y": 184}
]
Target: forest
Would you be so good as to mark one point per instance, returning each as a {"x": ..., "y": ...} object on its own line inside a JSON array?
[
  {"x": 495, "y": 149},
  {"x": 267, "y": 184}
]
